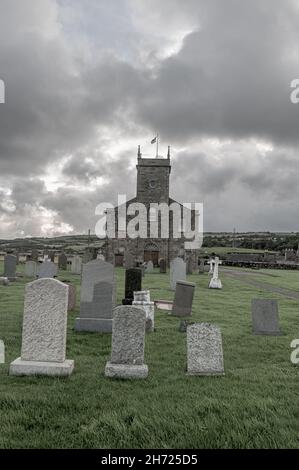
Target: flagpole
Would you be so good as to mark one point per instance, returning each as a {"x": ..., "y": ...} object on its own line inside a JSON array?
[{"x": 157, "y": 145}]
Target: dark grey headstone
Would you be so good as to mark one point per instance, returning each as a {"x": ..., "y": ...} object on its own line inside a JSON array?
[
  {"x": 47, "y": 270},
  {"x": 265, "y": 319},
  {"x": 97, "y": 297},
  {"x": 133, "y": 283},
  {"x": 163, "y": 266},
  {"x": 62, "y": 261},
  {"x": 10, "y": 266},
  {"x": 183, "y": 299}
]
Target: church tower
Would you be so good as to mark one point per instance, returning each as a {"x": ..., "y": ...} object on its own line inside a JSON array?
[{"x": 153, "y": 179}]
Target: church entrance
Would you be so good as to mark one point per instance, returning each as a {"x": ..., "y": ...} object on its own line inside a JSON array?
[{"x": 151, "y": 253}]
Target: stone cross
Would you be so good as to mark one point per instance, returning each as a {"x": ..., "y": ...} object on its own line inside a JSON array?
[
  {"x": 128, "y": 337},
  {"x": 215, "y": 282},
  {"x": 44, "y": 330}
]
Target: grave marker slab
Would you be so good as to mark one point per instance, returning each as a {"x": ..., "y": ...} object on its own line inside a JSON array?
[
  {"x": 128, "y": 337},
  {"x": 133, "y": 283},
  {"x": 163, "y": 266},
  {"x": 30, "y": 269},
  {"x": 177, "y": 272},
  {"x": 183, "y": 299},
  {"x": 97, "y": 297},
  {"x": 76, "y": 267},
  {"x": 44, "y": 330},
  {"x": 62, "y": 262},
  {"x": 10, "y": 266},
  {"x": 47, "y": 270},
  {"x": 265, "y": 318},
  {"x": 204, "y": 350}
]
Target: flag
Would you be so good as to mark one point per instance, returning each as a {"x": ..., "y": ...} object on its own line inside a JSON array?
[{"x": 154, "y": 140}]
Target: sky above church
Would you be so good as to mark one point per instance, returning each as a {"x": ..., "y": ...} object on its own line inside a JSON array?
[{"x": 87, "y": 81}]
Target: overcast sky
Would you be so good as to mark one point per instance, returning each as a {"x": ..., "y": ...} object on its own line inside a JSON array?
[{"x": 89, "y": 80}]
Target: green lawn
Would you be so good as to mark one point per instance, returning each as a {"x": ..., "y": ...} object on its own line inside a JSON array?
[{"x": 254, "y": 405}]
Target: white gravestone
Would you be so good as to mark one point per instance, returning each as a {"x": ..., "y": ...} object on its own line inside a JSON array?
[
  {"x": 215, "y": 282},
  {"x": 44, "y": 330},
  {"x": 177, "y": 272},
  {"x": 142, "y": 299},
  {"x": 76, "y": 266}
]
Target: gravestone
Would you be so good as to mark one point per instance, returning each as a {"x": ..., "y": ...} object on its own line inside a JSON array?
[
  {"x": 62, "y": 262},
  {"x": 163, "y": 266},
  {"x": 149, "y": 267},
  {"x": 52, "y": 256},
  {"x": 47, "y": 270},
  {"x": 87, "y": 256},
  {"x": 215, "y": 282},
  {"x": 129, "y": 261},
  {"x": 190, "y": 266},
  {"x": 183, "y": 299},
  {"x": 265, "y": 318},
  {"x": 177, "y": 272},
  {"x": 97, "y": 297},
  {"x": 72, "y": 296},
  {"x": 2, "y": 352},
  {"x": 128, "y": 337},
  {"x": 10, "y": 266},
  {"x": 30, "y": 269},
  {"x": 101, "y": 257},
  {"x": 142, "y": 300},
  {"x": 201, "y": 266},
  {"x": 133, "y": 283},
  {"x": 76, "y": 267},
  {"x": 44, "y": 330},
  {"x": 34, "y": 255},
  {"x": 204, "y": 350}
]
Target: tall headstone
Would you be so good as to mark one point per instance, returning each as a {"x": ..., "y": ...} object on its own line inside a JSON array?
[
  {"x": 2, "y": 352},
  {"x": 142, "y": 299},
  {"x": 44, "y": 331},
  {"x": 204, "y": 350},
  {"x": 97, "y": 297},
  {"x": 10, "y": 266},
  {"x": 129, "y": 262},
  {"x": 183, "y": 299},
  {"x": 34, "y": 255},
  {"x": 133, "y": 283},
  {"x": 149, "y": 267},
  {"x": 47, "y": 270},
  {"x": 30, "y": 269},
  {"x": 163, "y": 266},
  {"x": 76, "y": 267},
  {"x": 177, "y": 272},
  {"x": 128, "y": 337},
  {"x": 201, "y": 266},
  {"x": 215, "y": 282},
  {"x": 190, "y": 265},
  {"x": 265, "y": 318},
  {"x": 62, "y": 261}
]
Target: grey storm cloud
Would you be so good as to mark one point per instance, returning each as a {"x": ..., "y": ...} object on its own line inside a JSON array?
[{"x": 83, "y": 76}]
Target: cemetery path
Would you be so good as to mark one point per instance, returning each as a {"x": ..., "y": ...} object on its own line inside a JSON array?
[{"x": 245, "y": 277}]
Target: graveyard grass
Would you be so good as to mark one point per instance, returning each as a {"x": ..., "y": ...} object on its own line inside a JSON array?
[{"x": 255, "y": 405}]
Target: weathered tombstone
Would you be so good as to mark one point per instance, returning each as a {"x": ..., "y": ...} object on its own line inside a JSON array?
[
  {"x": 87, "y": 256},
  {"x": 204, "y": 350},
  {"x": 129, "y": 262},
  {"x": 183, "y": 299},
  {"x": 163, "y": 266},
  {"x": 52, "y": 256},
  {"x": 215, "y": 282},
  {"x": 201, "y": 266},
  {"x": 128, "y": 337},
  {"x": 97, "y": 297},
  {"x": 190, "y": 265},
  {"x": 177, "y": 272},
  {"x": 62, "y": 262},
  {"x": 30, "y": 269},
  {"x": 101, "y": 257},
  {"x": 149, "y": 267},
  {"x": 34, "y": 255},
  {"x": 72, "y": 296},
  {"x": 2, "y": 352},
  {"x": 10, "y": 266},
  {"x": 76, "y": 267},
  {"x": 133, "y": 283},
  {"x": 265, "y": 318},
  {"x": 47, "y": 270},
  {"x": 142, "y": 300},
  {"x": 44, "y": 331}
]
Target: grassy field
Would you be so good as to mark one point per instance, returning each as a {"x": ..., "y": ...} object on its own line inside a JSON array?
[{"x": 254, "y": 405}]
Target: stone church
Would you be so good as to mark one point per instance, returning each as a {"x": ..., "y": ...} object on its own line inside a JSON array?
[{"x": 153, "y": 185}]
